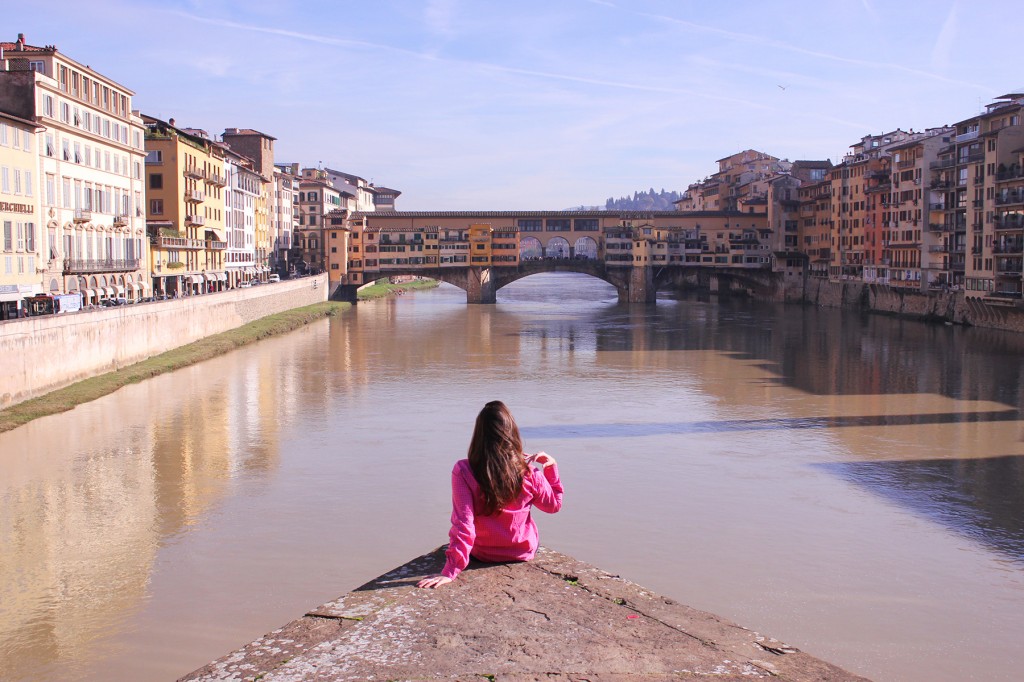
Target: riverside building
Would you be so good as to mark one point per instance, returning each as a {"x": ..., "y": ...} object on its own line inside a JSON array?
[
  {"x": 90, "y": 235},
  {"x": 259, "y": 148},
  {"x": 185, "y": 216},
  {"x": 242, "y": 193},
  {"x": 20, "y": 215}
]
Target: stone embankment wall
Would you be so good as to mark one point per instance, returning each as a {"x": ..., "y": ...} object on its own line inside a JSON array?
[
  {"x": 945, "y": 306},
  {"x": 41, "y": 354}
]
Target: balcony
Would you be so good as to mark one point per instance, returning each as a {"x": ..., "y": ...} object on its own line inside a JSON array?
[
  {"x": 120, "y": 220},
  {"x": 1009, "y": 198},
  {"x": 1010, "y": 221},
  {"x": 973, "y": 157},
  {"x": 941, "y": 248},
  {"x": 195, "y": 172},
  {"x": 937, "y": 207},
  {"x": 1010, "y": 267},
  {"x": 85, "y": 267},
  {"x": 942, "y": 163},
  {"x": 180, "y": 243},
  {"x": 194, "y": 196},
  {"x": 967, "y": 137},
  {"x": 941, "y": 184},
  {"x": 1012, "y": 174},
  {"x": 83, "y": 215},
  {"x": 216, "y": 246},
  {"x": 940, "y": 227},
  {"x": 1008, "y": 247},
  {"x": 195, "y": 220},
  {"x": 217, "y": 179}
]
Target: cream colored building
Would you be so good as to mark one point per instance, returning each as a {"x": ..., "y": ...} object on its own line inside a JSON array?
[
  {"x": 21, "y": 254},
  {"x": 90, "y": 158}
]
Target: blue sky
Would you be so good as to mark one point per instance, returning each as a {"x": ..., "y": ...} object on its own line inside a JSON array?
[{"x": 468, "y": 104}]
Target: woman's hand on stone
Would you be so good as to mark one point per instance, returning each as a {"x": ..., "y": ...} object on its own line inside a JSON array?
[{"x": 433, "y": 581}]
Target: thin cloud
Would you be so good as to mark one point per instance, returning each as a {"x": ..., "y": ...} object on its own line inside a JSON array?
[
  {"x": 548, "y": 75},
  {"x": 943, "y": 49},
  {"x": 440, "y": 15},
  {"x": 780, "y": 45}
]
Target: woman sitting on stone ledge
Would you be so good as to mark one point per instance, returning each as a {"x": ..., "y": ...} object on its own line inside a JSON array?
[{"x": 492, "y": 493}]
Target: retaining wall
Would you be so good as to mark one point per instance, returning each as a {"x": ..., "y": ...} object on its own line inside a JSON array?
[
  {"x": 41, "y": 354},
  {"x": 948, "y": 306}
]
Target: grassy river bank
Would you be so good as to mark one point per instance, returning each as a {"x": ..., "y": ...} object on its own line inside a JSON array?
[{"x": 66, "y": 398}]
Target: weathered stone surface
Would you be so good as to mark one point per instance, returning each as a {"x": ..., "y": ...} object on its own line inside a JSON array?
[{"x": 554, "y": 618}]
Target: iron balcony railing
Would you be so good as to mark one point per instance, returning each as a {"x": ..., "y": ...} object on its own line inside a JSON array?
[
  {"x": 75, "y": 266},
  {"x": 179, "y": 243}
]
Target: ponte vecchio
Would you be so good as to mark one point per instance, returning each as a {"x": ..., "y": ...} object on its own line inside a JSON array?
[{"x": 482, "y": 251}]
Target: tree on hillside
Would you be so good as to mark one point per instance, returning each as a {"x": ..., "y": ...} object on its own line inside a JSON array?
[{"x": 644, "y": 201}]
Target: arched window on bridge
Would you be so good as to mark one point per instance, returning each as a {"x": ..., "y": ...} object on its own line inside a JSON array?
[
  {"x": 585, "y": 248},
  {"x": 530, "y": 249},
  {"x": 557, "y": 248}
]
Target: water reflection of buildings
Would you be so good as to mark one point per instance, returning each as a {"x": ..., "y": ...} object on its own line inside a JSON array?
[
  {"x": 926, "y": 416},
  {"x": 88, "y": 497}
]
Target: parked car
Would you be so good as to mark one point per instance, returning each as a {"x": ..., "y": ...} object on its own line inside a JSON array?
[{"x": 274, "y": 278}]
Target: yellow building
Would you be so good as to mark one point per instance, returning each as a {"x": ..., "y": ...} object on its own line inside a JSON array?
[
  {"x": 19, "y": 215},
  {"x": 185, "y": 212},
  {"x": 480, "y": 245}
]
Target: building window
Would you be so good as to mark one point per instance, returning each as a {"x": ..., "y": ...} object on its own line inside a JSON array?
[
  {"x": 154, "y": 156},
  {"x": 156, "y": 206},
  {"x": 156, "y": 181}
]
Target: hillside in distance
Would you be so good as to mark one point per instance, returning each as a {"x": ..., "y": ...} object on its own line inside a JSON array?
[{"x": 645, "y": 201}]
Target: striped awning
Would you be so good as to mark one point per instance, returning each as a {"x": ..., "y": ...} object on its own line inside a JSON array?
[{"x": 108, "y": 291}]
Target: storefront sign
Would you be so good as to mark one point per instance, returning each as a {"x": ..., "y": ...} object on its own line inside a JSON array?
[{"x": 16, "y": 208}]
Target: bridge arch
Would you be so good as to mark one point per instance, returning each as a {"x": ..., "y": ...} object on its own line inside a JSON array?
[
  {"x": 558, "y": 247},
  {"x": 530, "y": 248},
  {"x": 585, "y": 248}
]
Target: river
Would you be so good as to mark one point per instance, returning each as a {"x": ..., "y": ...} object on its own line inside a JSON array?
[{"x": 853, "y": 485}]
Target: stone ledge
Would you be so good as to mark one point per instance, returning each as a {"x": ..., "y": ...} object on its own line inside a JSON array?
[{"x": 554, "y": 618}]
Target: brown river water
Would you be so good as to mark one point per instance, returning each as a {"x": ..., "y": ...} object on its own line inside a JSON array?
[{"x": 852, "y": 485}]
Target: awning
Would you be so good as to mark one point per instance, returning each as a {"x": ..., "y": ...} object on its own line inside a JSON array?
[
  {"x": 119, "y": 290},
  {"x": 222, "y": 277},
  {"x": 250, "y": 271},
  {"x": 130, "y": 287},
  {"x": 108, "y": 291},
  {"x": 88, "y": 293}
]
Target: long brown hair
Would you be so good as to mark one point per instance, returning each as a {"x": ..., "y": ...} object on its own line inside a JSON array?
[{"x": 496, "y": 457}]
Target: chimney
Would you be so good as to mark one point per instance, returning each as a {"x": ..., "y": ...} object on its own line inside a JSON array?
[{"x": 20, "y": 45}]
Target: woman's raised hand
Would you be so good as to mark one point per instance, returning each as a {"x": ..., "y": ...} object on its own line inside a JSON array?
[{"x": 542, "y": 459}]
